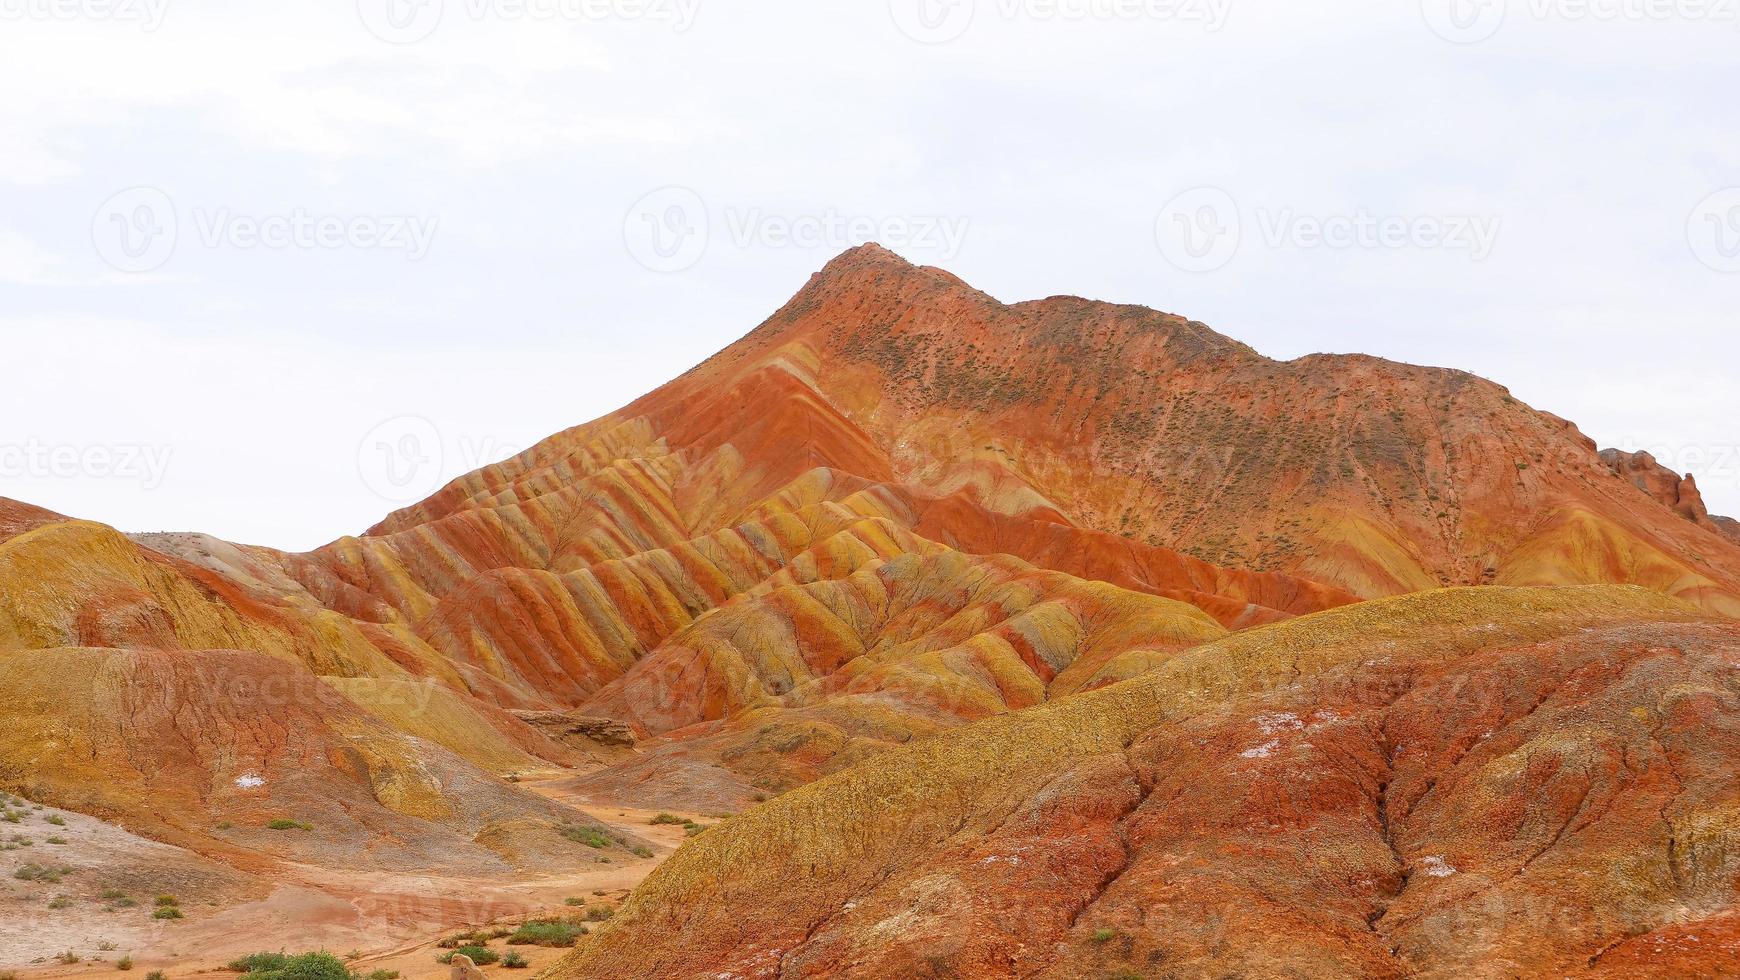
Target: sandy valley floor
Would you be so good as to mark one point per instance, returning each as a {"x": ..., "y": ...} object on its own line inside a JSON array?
[{"x": 102, "y": 906}]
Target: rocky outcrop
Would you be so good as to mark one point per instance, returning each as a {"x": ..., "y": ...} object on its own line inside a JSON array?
[
  {"x": 1679, "y": 494},
  {"x": 580, "y": 731}
]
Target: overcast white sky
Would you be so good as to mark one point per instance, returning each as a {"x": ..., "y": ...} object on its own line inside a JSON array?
[{"x": 270, "y": 270}]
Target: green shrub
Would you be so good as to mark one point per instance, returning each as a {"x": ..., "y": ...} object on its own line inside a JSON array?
[
  {"x": 481, "y": 955},
  {"x": 259, "y": 963},
  {"x": 598, "y": 913},
  {"x": 514, "y": 961},
  {"x": 640, "y": 851},
  {"x": 156, "y": 975},
  {"x": 665, "y": 818},
  {"x": 163, "y": 900},
  {"x": 124, "y": 963},
  {"x": 57, "y": 820},
  {"x": 60, "y": 902},
  {"x": 167, "y": 912},
  {"x": 586, "y": 835},
  {"x": 37, "y": 872},
  {"x": 547, "y": 932},
  {"x": 1105, "y": 935},
  {"x": 289, "y": 825},
  {"x": 307, "y": 966},
  {"x": 57, "y": 840},
  {"x": 581, "y": 902},
  {"x": 384, "y": 975}
]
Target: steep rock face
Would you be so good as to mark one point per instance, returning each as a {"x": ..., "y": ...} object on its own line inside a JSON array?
[
  {"x": 1474, "y": 782},
  {"x": 1679, "y": 494}
]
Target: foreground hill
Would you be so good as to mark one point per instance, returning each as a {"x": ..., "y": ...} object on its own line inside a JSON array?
[{"x": 1477, "y": 782}]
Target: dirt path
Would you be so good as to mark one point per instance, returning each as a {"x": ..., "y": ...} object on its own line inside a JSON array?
[{"x": 379, "y": 921}]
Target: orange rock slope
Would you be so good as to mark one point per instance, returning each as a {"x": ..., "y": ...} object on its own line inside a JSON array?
[{"x": 899, "y": 521}]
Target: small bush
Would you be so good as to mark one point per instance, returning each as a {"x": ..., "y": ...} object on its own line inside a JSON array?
[
  {"x": 599, "y": 913},
  {"x": 514, "y": 961},
  {"x": 168, "y": 912},
  {"x": 259, "y": 963},
  {"x": 124, "y": 963},
  {"x": 1105, "y": 935},
  {"x": 384, "y": 975},
  {"x": 586, "y": 835},
  {"x": 57, "y": 820},
  {"x": 640, "y": 851},
  {"x": 579, "y": 902},
  {"x": 163, "y": 900},
  {"x": 667, "y": 818},
  {"x": 289, "y": 825},
  {"x": 481, "y": 955},
  {"x": 57, "y": 840},
  {"x": 69, "y": 958},
  {"x": 307, "y": 966},
  {"x": 37, "y": 872},
  {"x": 549, "y": 932},
  {"x": 60, "y": 902},
  {"x": 156, "y": 975}
]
